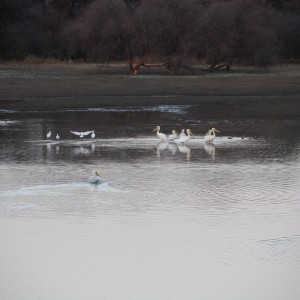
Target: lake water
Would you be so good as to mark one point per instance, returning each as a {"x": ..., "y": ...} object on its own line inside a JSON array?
[{"x": 211, "y": 222}]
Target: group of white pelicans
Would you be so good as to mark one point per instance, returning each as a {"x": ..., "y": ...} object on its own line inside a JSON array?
[
  {"x": 182, "y": 137},
  {"x": 174, "y": 137}
]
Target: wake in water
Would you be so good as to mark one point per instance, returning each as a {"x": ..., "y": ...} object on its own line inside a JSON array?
[{"x": 60, "y": 188}]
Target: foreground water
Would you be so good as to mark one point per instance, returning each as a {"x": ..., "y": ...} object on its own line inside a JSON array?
[{"x": 200, "y": 221}]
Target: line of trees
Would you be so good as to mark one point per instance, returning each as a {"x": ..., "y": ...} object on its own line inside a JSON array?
[{"x": 175, "y": 34}]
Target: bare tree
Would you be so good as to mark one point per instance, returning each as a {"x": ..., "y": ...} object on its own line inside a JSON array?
[
  {"x": 238, "y": 32},
  {"x": 173, "y": 34},
  {"x": 288, "y": 30}
]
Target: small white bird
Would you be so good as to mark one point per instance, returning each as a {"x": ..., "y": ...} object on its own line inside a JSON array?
[
  {"x": 96, "y": 179},
  {"x": 82, "y": 134},
  {"x": 210, "y": 135},
  {"x": 160, "y": 135},
  {"x": 49, "y": 134},
  {"x": 184, "y": 139},
  {"x": 57, "y": 137},
  {"x": 173, "y": 136},
  {"x": 93, "y": 135}
]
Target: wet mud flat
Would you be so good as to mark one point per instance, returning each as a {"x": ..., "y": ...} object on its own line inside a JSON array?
[{"x": 243, "y": 93}]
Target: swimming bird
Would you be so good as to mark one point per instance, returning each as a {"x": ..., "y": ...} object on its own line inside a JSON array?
[
  {"x": 210, "y": 135},
  {"x": 57, "y": 137},
  {"x": 160, "y": 135},
  {"x": 96, "y": 179},
  {"x": 184, "y": 139},
  {"x": 82, "y": 134},
  {"x": 93, "y": 135},
  {"x": 173, "y": 136},
  {"x": 49, "y": 134}
]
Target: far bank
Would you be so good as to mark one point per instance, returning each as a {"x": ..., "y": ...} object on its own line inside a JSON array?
[{"x": 240, "y": 93}]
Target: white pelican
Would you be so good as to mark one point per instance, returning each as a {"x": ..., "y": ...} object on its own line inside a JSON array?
[
  {"x": 182, "y": 133},
  {"x": 160, "y": 135},
  {"x": 93, "y": 135},
  {"x": 95, "y": 179},
  {"x": 82, "y": 134},
  {"x": 49, "y": 134},
  {"x": 210, "y": 135},
  {"x": 57, "y": 137},
  {"x": 173, "y": 136},
  {"x": 184, "y": 139}
]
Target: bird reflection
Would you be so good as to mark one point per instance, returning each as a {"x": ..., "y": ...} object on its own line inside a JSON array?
[
  {"x": 173, "y": 148},
  {"x": 210, "y": 149},
  {"x": 57, "y": 149},
  {"x": 48, "y": 147},
  {"x": 93, "y": 147},
  {"x": 81, "y": 151},
  {"x": 184, "y": 149},
  {"x": 160, "y": 147}
]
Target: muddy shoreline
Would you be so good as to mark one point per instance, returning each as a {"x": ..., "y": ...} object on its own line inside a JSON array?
[{"x": 243, "y": 93}]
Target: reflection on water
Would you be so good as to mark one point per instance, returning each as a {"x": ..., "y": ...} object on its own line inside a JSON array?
[{"x": 198, "y": 221}]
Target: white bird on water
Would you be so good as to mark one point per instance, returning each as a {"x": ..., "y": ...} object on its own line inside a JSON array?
[
  {"x": 49, "y": 134},
  {"x": 82, "y": 134},
  {"x": 57, "y": 137},
  {"x": 210, "y": 135},
  {"x": 93, "y": 135},
  {"x": 185, "y": 138},
  {"x": 96, "y": 179},
  {"x": 160, "y": 135},
  {"x": 173, "y": 136},
  {"x": 182, "y": 133}
]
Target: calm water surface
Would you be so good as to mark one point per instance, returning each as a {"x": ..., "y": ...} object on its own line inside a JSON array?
[{"x": 213, "y": 222}]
